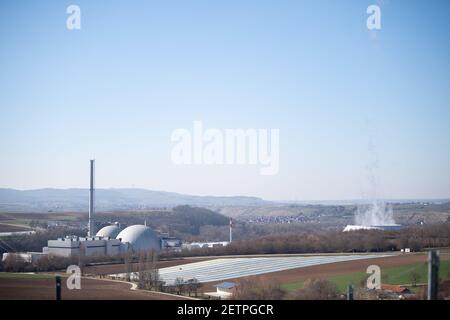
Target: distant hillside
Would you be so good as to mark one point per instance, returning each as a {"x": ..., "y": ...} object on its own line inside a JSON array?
[
  {"x": 181, "y": 221},
  {"x": 63, "y": 200}
]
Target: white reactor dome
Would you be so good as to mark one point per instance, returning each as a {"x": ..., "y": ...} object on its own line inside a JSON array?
[
  {"x": 109, "y": 231},
  {"x": 140, "y": 238}
]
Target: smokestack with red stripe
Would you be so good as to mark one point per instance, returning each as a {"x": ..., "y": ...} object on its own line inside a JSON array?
[{"x": 231, "y": 229}]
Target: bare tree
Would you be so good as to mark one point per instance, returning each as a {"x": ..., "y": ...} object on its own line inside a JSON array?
[
  {"x": 148, "y": 271},
  {"x": 179, "y": 285},
  {"x": 14, "y": 263},
  {"x": 195, "y": 285},
  {"x": 128, "y": 265},
  {"x": 143, "y": 275},
  {"x": 317, "y": 289},
  {"x": 414, "y": 276},
  {"x": 259, "y": 288},
  {"x": 192, "y": 286},
  {"x": 154, "y": 272}
]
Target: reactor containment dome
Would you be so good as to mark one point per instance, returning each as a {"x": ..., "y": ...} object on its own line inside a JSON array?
[
  {"x": 140, "y": 238},
  {"x": 111, "y": 231}
]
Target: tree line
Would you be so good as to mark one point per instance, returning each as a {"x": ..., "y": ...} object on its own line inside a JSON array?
[
  {"x": 322, "y": 241},
  {"x": 35, "y": 242}
]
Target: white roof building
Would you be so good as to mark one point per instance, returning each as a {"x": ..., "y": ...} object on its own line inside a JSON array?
[{"x": 224, "y": 290}]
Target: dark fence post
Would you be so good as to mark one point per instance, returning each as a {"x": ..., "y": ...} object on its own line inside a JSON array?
[
  {"x": 350, "y": 292},
  {"x": 58, "y": 288},
  {"x": 433, "y": 274}
]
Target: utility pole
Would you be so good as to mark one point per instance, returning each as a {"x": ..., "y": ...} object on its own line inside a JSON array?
[
  {"x": 350, "y": 292},
  {"x": 433, "y": 274},
  {"x": 58, "y": 287}
]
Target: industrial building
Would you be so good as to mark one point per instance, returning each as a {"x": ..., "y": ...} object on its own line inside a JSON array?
[
  {"x": 87, "y": 246},
  {"x": 199, "y": 245},
  {"x": 224, "y": 290},
  {"x": 391, "y": 227},
  {"x": 170, "y": 243},
  {"x": 29, "y": 257}
]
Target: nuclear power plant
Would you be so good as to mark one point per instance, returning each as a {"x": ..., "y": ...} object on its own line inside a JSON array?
[
  {"x": 112, "y": 240},
  {"x": 108, "y": 241}
]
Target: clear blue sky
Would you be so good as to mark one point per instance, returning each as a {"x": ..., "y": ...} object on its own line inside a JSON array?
[{"x": 116, "y": 89}]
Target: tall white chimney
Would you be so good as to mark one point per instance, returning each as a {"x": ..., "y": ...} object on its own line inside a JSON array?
[{"x": 91, "y": 227}]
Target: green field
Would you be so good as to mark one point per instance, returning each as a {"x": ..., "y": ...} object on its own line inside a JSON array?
[
  {"x": 18, "y": 222},
  {"x": 24, "y": 219},
  {"x": 14, "y": 275},
  {"x": 393, "y": 275}
]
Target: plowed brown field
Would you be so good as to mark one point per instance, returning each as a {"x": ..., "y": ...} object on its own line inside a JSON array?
[{"x": 91, "y": 289}]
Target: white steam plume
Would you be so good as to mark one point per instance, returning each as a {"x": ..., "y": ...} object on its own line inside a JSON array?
[{"x": 378, "y": 213}]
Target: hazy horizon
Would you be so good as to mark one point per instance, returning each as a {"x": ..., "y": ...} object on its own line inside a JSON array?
[{"x": 356, "y": 200}]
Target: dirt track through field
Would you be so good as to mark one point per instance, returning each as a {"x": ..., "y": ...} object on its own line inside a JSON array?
[
  {"x": 91, "y": 289},
  {"x": 6, "y": 227}
]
